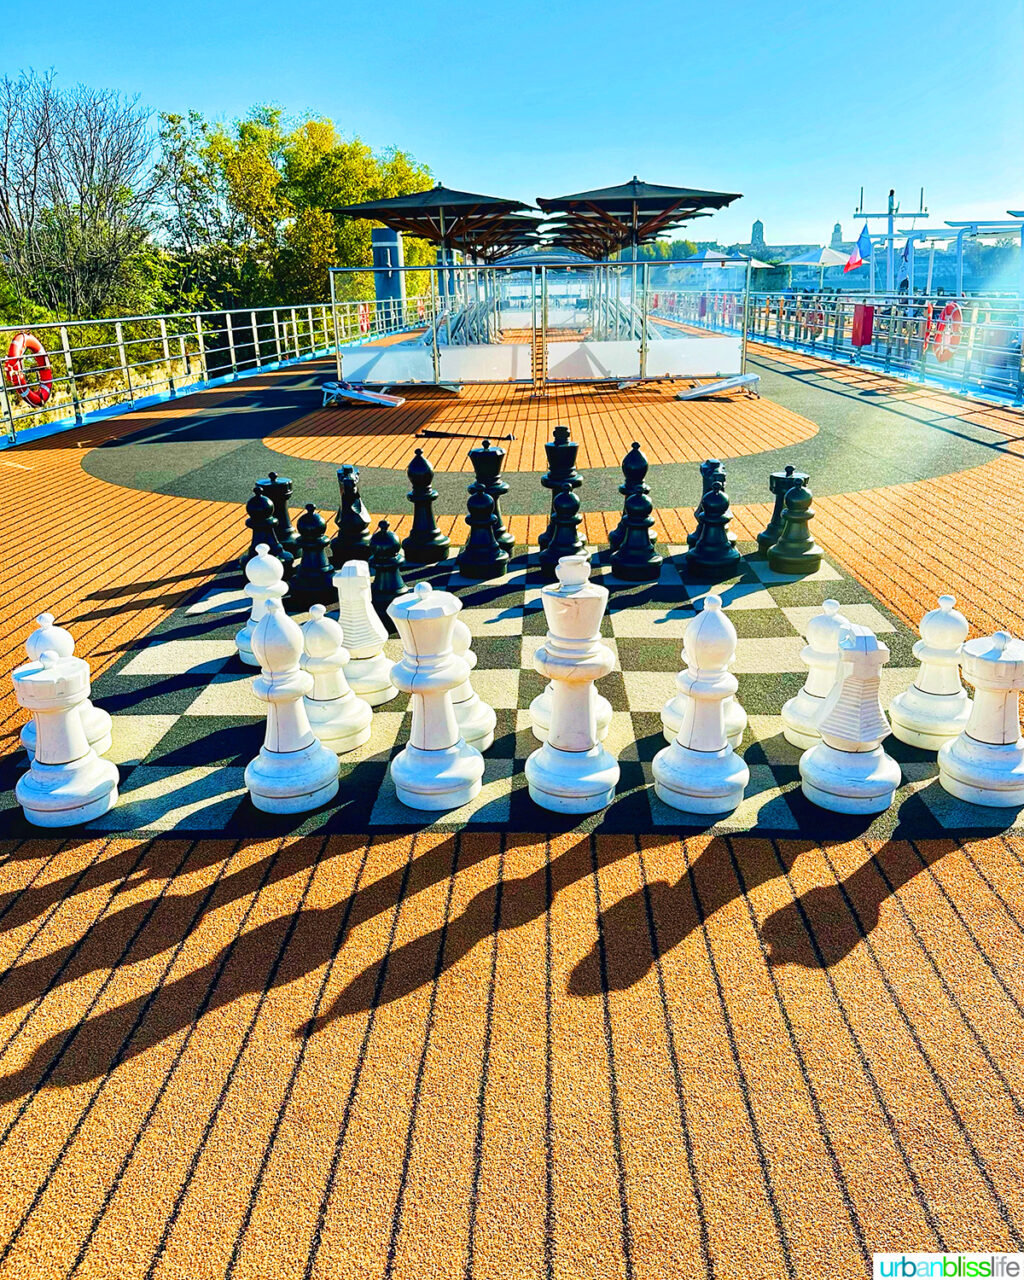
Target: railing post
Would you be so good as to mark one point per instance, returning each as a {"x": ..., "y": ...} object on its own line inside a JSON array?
[
  {"x": 312, "y": 331},
  {"x": 231, "y": 342},
  {"x": 256, "y": 339},
  {"x": 72, "y": 385},
  {"x": 277, "y": 336},
  {"x": 119, "y": 333},
  {"x": 5, "y": 399},
  {"x": 202, "y": 347},
  {"x": 171, "y": 386},
  {"x": 295, "y": 334},
  {"x": 644, "y": 283}
]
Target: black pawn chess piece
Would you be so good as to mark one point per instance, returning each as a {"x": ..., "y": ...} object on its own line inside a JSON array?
[
  {"x": 780, "y": 483},
  {"x": 635, "y": 558},
  {"x": 263, "y": 523},
  {"x": 634, "y": 473},
  {"x": 352, "y": 541},
  {"x": 710, "y": 472},
  {"x": 713, "y": 557},
  {"x": 312, "y": 579},
  {"x": 481, "y": 557},
  {"x": 796, "y": 551},
  {"x": 279, "y": 489},
  {"x": 561, "y": 452},
  {"x": 487, "y": 460},
  {"x": 565, "y": 539},
  {"x": 426, "y": 544},
  {"x": 385, "y": 563}
]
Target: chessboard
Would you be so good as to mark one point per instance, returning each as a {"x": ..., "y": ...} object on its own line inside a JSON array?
[{"x": 186, "y": 721}]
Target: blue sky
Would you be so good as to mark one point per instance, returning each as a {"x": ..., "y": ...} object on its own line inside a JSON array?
[{"x": 792, "y": 104}]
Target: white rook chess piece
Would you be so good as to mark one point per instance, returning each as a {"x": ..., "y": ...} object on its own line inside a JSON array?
[
  {"x": 338, "y": 718},
  {"x": 265, "y": 575},
  {"x": 95, "y": 720},
  {"x": 847, "y": 771},
  {"x": 701, "y": 772},
  {"x": 674, "y": 711},
  {"x": 985, "y": 763},
  {"x": 67, "y": 782},
  {"x": 801, "y": 714},
  {"x": 294, "y": 771},
  {"x": 476, "y": 719},
  {"x": 437, "y": 769},
  {"x": 369, "y": 671},
  {"x": 936, "y": 707},
  {"x": 572, "y": 772}
]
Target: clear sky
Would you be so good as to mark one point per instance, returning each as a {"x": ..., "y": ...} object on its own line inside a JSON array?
[{"x": 792, "y": 104}]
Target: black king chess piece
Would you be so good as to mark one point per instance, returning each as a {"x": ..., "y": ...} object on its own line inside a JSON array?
[
  {"x": 426, "y": 544},
  {"x": 385, "y": 564},
  {"x": 352, "y": 541},
  {"x": 279, "y": 489},
  {"x": 635, "y": 558},
  {"x": 263, "y": 523},
  {"x": 780, "y": 483},
  {"x": 565, "y": 539},
  {"x": 561, "y": 452},
  {"x": 487, "y": 460},
  {"x": 796, "y": 551},
  {"x": 312, "y": 580},
  {"x": 481, "y": 557},
  {"x": 713, "y": 557},
  {"x": 634, "y": 474}
]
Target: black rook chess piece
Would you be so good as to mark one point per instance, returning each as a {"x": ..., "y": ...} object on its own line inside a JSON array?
[
  {"x": 352, "y": 541},
  {"x": 561, "y": 452},
  {"x": 487, "y": 460},
  {"x": 565, "y": 539},
  {"x": 780, "y": 483},
  {"x": 481, "y": 557},
  {"x": 635, "y": 558},
  {"x": 713, "y": 557},
  {"x": 710, "y": 471},
  {"x": 426, "y": 544},
  {"x": 796, "y": 551},
  {"x": 312, "y": 580},
  {"x": 385, "y": 562},
  {"x": 634, "y": 472},
  {"x": 263, "y": 523},
  {"x": 279, "y": 489}
]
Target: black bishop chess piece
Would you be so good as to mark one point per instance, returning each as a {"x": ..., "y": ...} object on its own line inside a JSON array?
[
  {"x": 561, "y": 452},
  {"x": 780, "y": 483},
  {"x": 796, "y": 551},
  {"x": 565, "y": 539},
  {"x": 634, "y": 474},
  {"x": 711, "y": 471},
  {"x": 713, "y": 557},
  {"x": 487, "y": 460},
  {"x": 263, "y": 523},
  {"x": 352, "y": 541},
  {"x": 635, "y": 559},
  {"x": 279, "y": 489},
  {"x": 385, "y": 564},
  {"x": 482, "y": 556},
  {"x": 312, "y": 580},
  {"x": 426, "y": 544}
]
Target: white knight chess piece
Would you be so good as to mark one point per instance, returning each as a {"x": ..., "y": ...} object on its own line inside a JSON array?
[{"x": 801, "y": 714}]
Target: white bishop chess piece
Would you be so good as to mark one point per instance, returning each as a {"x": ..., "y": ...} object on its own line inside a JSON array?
[
  {"x": 265, "y": 574},
  {"x": 985, "y": 763},
  {"x": 801, "y": 714},
  {"x": 339, "y": 719},
  {"x": 936, "y": 707},
  {"x": 572, "y": 772},
  {"x": 368, "y": 671},
  {"x": 95, "y": 720},
  {"x": 701, "y": 772},
  {"x": 67, "y": 782},
  {"x": 437, "y": 769},
  {"x": 848, "y": 771},
  {"x": 674, "y": 711},
  {"x": 475, "y": 718},
  {"x": 294, "y": 771}
]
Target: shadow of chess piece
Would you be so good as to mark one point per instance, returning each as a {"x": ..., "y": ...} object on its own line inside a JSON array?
[
  {"x": 713, "y": 557},
  {"x": 487, "y": 460},
  {"x": 279, "y": 489},
  {"x": 634, "y": 473},
  {"x": 385, "y": 562},
  {"x": 481, "y": 557},
  {"x": 780, "y": 483},
  {"x": 565, "y": 539},
  {"x": 796, "y": 551},
  {"x": 710, "y": 471},
  {"x": 426, "y": 544},
  {"x": 635, "y": 558},
  {"x": 263, "y": 523},
  {"x": 352, "y": 541},
  {"x": 312, "y": 579},
  {"x": 561, "y": 452}
]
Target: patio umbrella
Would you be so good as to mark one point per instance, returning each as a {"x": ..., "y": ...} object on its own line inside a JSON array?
[
  {"x": 450, "y": 219},
  {"x": 820, "y": 258}
]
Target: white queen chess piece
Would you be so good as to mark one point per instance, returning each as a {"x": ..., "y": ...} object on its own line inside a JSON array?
[
  {"x": 95, "y": 721},
  {"x": 701, "y": 772},
  {"x": 368, "y": 672},
  {"x": 572, "y": 772},
  {"x": 801, "y": 714},
  {"x": 294, "y": 771},
  {"x": 67, "y": 782},
  {"x": 935, "y": 708},
  {"x": 985, "y": 763},
  {"x": 437, "y": 769},
  {"x": 265, "y": 575},
  {"x": 339, "y": 719},
  {"x": 475, "y": 718},
  {"x": 848, "y": 771}
]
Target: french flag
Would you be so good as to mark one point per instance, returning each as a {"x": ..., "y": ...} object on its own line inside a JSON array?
[{"x": 861, "y": 251}]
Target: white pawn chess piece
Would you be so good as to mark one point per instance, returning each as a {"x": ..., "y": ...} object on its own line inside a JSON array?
[
  {"x": 95, "y": 720},
  {"x": 294, "y": 771},
  {"x": 368, "y": 672},
  {"x": 572, "y": 772},
  {"x": 338, "y": 718},
  {"x": 674, "y": 711},
  {"x": 936, "y": 708},
  {"x": 985, "y": 763},
  {"x": 265, "y": 574},
  {"x": 801, "y": 714},
  {"x": 476, "y": 719},
  {"x": 67, "y": 782},
  {"x": 437, "y": 769},
  {"x": 848, "y": 771},
  {"x": 701, "y": 772}
]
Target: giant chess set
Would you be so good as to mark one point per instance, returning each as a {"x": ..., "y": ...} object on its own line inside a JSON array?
[{"x": 712, "y": 686}]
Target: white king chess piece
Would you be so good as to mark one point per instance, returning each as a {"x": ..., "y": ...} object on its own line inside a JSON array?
[
  {"x": 437, "y": 769},
  {"x": 476, "y": 719},
  {"x": 95, "y": 720},
  {"x": 985, "y": 763},
  {"x": 294, "y": 771},
  {"x": 847, "y": 771},
  {"x": 935, "y": 708},
  {"x": 572, "y": 772},
  {"x": 265, "y": 574},
  {"x": 540, "y": 713},
  {"x": 368, "y": 671},
  {"x": 338, "y": 718},
  {"x": 67, "y": 782},
  {"x": 674, "y": 711},
  {"x": 701, "y": 772},
  {"x": 801, "y": 714}
]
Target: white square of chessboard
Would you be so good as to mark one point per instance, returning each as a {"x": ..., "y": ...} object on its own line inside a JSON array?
[
  {"x": 161, "y": 798},
  {"x": 650, "y": 624},
  {"x": 736, "y": 595},
  {"x": 768, "y": 575},
  {"x": 498, "y": 688},
  {"x": 220, "y": 601},
  {"x": 492, "y": 806},
  {"x": 132, "y": 738},
  {"x": 180, "y": 657},
  {"x": 865, "y": 615},
  {"x": 229, "y": 694},
  {"x": 494, "y": 622}
]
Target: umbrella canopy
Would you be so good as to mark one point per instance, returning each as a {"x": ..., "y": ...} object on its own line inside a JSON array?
[
  {"x": 718, "y": 258},
  {"x": 818, "y": 258},
  {"x": 452, "y": 219}
]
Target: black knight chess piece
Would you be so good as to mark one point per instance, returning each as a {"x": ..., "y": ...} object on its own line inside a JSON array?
[
  {"x": 561, "y": 452},
  {"x": 780, "y": 483},
  {"x": 426, "y": 544},
  {"x": 713, "y": 557},
  {"x": 635, "y": 558},
  {"x": 634, "y": 474},
  {"x": 312, "y": 580},
  {"x": 279, "y": 489},
  {"x": 796, "y": 551},
  {"x": 352, "y": 541},
  {"x": 481, "y": 557},
  {"x": 385, "y": 564},
  {"x": 487, "y": 460},
  {"x": 565, "y": 539},
  {"x": 263, "y": 523}
]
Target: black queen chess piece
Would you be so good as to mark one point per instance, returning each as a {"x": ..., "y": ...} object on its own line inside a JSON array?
[
  {"x": 279, "y": 489},
  {"x": 482, "y": 557},
  {"x": 487, "y": 461},
  {"x": 385, "y": 565},
  {"x": 565, "y": 539},
  {"x": 634, "y": 477},
  {"x": 779, "y": 483},
  {"x": 352, "y": 541},
  {"x": 426, "y": 544},
  {"x": 635, "y": 558},
  {"x": 713, "y": 557},
  {"x": 796, "y": 552},
  {"x": 312, "y": 579},
  {"x": 561, "y": 453},
  {"x": 260, "y": 519}
]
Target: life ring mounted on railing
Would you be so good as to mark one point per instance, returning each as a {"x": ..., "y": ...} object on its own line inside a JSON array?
[
  {"x": 948, "y": 331},
  {"x": 27, "y": 369}
]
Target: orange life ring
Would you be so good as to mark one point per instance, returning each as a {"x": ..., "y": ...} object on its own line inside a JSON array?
[
  {"x": 33, "y": 382},
  {"x": 947, "y": 332},
  {"x": 927, "y": 326},
  {"x": 815, "y": 322},
  {"x": 364, "y": 317}
]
